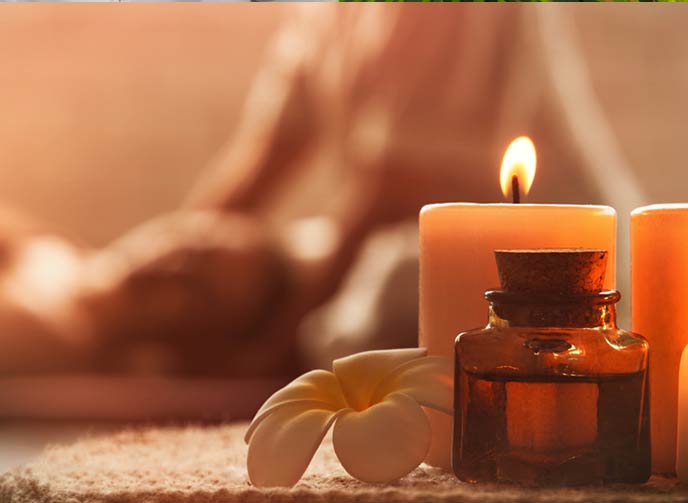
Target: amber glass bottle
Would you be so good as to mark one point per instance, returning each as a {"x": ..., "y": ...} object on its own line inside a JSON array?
[{"x": 551, "y": 392}]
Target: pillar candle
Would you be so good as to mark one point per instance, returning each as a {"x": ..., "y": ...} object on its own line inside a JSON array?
[
  {"x": 457, "y": 265},
  {"x": 659, "y": 305},
  {"x": 682, "y": 429}
]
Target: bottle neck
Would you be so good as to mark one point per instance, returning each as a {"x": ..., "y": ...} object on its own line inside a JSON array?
[{"x": 569, "y": 311}]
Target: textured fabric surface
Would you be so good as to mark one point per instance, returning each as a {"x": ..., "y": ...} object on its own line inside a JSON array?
[{"x": 207, "y": 464}]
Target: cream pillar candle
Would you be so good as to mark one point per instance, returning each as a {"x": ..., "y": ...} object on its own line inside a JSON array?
[
  {"x": 682, "y": 429},
  {"x": 457, "y": 265},
  {"x": 659, "y": 305}
]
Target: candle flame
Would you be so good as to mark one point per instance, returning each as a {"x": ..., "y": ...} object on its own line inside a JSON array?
[{"x": 519, "y": 161}]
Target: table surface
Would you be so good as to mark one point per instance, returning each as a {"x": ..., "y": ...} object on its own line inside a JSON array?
[
  {"x": 21, "y": 441},
  {"x": 202, "y": 464},
  {"x": 67, "y": 407}
]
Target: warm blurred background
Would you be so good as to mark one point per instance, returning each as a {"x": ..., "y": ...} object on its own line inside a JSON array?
[
  {"x": 199, "y": 201},
  {"x": 109, "y": 115}
]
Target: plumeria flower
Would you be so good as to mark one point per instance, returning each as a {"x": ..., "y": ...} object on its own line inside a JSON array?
[{"x": 373, "y": 399}]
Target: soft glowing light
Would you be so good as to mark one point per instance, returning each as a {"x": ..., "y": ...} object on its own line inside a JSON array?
[
  {"x": 519, "y": 161},
  {"x": 44, "y": 277}
]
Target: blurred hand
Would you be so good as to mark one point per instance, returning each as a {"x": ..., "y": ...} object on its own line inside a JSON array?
[{"x": 187, "y": 292}]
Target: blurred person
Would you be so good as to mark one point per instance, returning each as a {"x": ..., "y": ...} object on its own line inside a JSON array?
[
  {"x": 305, "y": 224},
  {"x": 221, "y": 286},
  {"x": 355, "y": 121},
  {"x": 361, "y": 117}
]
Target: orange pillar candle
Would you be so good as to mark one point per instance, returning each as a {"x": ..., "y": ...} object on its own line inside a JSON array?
[
  {"x": 457, "y": 265},
  {"x": 659, "y": 305},
  {"x": 682, "y": 429}
]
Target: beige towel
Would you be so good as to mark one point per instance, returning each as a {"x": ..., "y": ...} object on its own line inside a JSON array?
[{"x": 207, "y": 464}]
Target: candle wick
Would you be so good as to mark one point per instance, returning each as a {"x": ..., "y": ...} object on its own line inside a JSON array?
[{"x": 515, "y": 192}]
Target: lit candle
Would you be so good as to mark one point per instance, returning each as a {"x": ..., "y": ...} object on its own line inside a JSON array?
[
  {"x": 457, "y": 243},
  {"x": 659, "y": 303}
]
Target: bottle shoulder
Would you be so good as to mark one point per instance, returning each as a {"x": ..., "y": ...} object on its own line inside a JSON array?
[
  {"x": 552, "y": 350},
  {"x": 618, "y": 338}
]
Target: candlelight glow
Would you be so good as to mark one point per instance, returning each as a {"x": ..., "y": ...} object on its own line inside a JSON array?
[{"x": 519, "y": 160}]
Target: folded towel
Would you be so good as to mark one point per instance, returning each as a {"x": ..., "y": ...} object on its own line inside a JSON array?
[{"x": 207, "y": 464}]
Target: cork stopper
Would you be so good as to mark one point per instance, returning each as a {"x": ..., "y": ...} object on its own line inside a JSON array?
[{"x": 552, "y": 271}]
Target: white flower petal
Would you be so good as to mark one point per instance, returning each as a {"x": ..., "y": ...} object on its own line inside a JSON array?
[
  {"x": 360, "y": 374},
  {"x": 319, "y": 389},
  {"x": 428, "y": 380},
  {"x": 384, "y": 442},
  {"x": 284, "y": 443}
]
